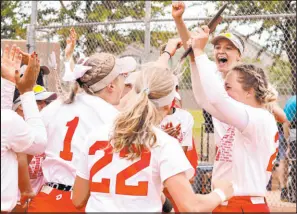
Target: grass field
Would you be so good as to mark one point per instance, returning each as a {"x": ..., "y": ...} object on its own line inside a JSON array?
[{"x": 198, "y": 120}]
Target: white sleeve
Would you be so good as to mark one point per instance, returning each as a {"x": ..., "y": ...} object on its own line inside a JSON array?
[
  {"x": 82, "y": 169},
  {"x": 188, "y": 137},
  {"x": 7, "y": 93},
  {"x": 21, "y": 135},
  {"x": 198, "y": 91},
  {"x": 174, "y": 161},
  {"x": 37, "y": 128},
  {"x": 228, "y": 110}
]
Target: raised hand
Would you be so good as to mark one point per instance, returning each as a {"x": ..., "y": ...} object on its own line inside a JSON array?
[
  {"x": 10, "y": 62},
  {"x": 199, "y": 39},
  {"x": 173, "y": 45},
  {"x": 28, "y": 80},
  {"x": 71, "y": 42},
  {"x": 178, "y": 8}
]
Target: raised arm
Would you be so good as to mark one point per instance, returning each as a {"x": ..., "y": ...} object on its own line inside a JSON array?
[
  {"x": 29, "y": 137},
  {"x": 214, "y": 90},
  {"x": 178, "y": 9},
  {"x": 10, "y": 61}
]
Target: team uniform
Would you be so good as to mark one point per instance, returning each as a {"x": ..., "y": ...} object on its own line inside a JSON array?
[
  {"x": 35, "y": 174},
  {"x": 185, "y": 138},
  {"x": 246, "y": 156},
  {"x": 122, "y": 185},
  {"x": 67, "y": 125},
  {"x": 18, "y": 136}
]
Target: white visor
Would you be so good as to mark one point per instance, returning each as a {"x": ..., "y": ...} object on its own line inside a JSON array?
[
  {"x": 122, "y": 66},
  {"x": 167, "y": 100}
]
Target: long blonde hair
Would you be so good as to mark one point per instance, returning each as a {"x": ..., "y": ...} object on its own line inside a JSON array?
[{"x": 133, "y": 129}]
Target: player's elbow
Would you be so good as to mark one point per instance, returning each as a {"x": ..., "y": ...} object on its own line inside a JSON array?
[{"x": 78, "y": 201}]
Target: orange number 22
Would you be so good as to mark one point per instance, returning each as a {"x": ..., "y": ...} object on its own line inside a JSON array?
[{"x": 121, "y": 188}]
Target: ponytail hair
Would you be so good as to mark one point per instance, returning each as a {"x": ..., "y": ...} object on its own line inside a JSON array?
[{"x": 133, "y": 129}]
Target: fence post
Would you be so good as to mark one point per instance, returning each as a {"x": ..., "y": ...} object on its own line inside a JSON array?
[
  {"x": 31, "y": 32},
  {"x": 147, "y": 36}
]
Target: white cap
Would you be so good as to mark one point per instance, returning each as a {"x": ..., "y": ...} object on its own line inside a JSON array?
[
  {"x": 122, "y": 66},
  {"x": 232, "y": 38},
  {"x": 40, "y": 94}
]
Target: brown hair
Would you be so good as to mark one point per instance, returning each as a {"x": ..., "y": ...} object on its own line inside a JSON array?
[
  {"x": 133, "y": 129},
  {"x": 102, "y": 64},
  {"x": 254, "y": 77}
]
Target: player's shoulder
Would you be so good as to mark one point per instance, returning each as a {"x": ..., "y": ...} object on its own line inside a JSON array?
[{"x": 263, "y": 117}]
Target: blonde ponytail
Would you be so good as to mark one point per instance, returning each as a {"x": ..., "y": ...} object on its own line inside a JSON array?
[{"x": 133, "y": 130}]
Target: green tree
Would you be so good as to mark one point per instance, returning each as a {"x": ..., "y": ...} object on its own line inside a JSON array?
[
  {"x": 111, "y": 37},
  {"x": 13, "y": 20}
]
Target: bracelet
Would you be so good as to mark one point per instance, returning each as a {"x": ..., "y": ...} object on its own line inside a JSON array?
[
  {"x": 168, "y": 53},
  {"x": 221, "y": 194}
]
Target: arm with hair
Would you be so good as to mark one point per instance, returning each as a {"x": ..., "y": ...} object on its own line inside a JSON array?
[
  {"x": 199, "y": 94},
  {"x": 227, "y": 109},
  {"x": 184, "y": 34}
]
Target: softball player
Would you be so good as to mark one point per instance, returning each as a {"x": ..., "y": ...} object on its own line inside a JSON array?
[
  {"x": 228, "y": 51},
  {"x": 102, "y": 79},
  {"x": 18, "y": 135},
  {"x": 125, "y": 165},
  {"x": 249, "y": 147}
]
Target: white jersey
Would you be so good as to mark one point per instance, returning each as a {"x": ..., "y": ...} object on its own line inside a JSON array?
[
  {"x": 181, "y": 116},
  {"x": 9, "y": 162},
  {"x": 122, "y": 185},
  {"x": 67, "y": 126},
  {"x": 247, "y": 157},
  {"x": 18, "y": 136}
]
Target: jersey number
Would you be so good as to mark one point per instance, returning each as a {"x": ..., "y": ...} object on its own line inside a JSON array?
[
  {"x": 273, "y": 156},
  {"x": 121, "y": 188},
  {"x": 66, "y": 154}
]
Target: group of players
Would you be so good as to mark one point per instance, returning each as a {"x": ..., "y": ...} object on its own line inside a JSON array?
[{"x": 105, "y": 147}]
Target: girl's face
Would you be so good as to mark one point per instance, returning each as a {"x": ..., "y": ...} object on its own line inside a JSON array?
[
  {"x": 235, "y": 90},
  {"x": 226, "y": 55}
]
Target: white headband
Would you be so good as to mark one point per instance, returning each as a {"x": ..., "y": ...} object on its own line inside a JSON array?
[{"x": 164, "y": 101}]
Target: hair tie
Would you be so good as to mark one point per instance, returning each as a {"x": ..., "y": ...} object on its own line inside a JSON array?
[{"x": 146, "y": 90}]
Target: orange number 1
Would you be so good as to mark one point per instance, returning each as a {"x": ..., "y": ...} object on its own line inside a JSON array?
[{"x": 66, "y": 154}]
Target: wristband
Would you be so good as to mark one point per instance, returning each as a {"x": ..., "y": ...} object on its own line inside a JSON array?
[
  {"x": 221, "y": 194},
  {"x": 168, "y": 53}
]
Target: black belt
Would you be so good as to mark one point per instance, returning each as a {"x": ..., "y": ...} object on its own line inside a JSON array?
[{"x": 62, "y": 187}]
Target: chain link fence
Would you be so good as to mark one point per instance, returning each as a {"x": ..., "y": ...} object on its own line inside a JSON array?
[{"x": 139, "y": 28}]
